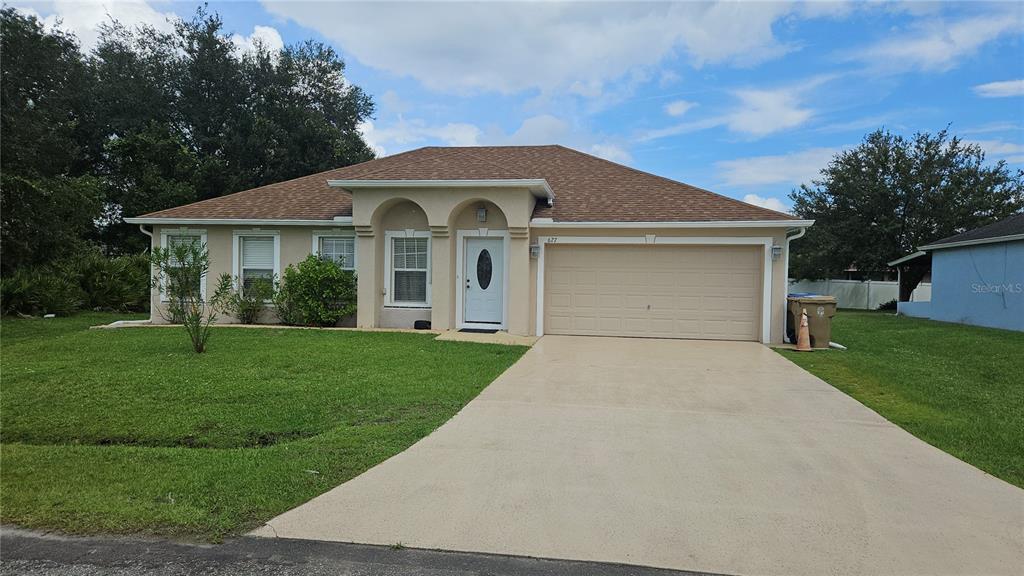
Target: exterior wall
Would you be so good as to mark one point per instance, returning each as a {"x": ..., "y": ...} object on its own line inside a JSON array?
[
  {"x": 443, "y": 212},
  {"x": 296, "y": 243},
  {"x": 778, "y": 274},
  {"x": 981, "y": 285}
]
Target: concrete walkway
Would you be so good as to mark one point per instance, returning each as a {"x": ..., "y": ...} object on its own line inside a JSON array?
[{"x": 709, "y": 456}]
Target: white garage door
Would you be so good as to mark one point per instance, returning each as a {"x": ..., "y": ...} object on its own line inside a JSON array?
[{"x": 711, "y": 292}]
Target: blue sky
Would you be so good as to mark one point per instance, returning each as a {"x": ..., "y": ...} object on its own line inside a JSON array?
[{"x": 748, "y": 99}]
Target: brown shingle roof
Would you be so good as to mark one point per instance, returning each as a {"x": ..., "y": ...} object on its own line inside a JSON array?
[{"x": 586, "y": 188}]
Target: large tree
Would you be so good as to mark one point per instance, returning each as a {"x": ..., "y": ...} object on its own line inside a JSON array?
[
  {"x": 48, "y": 199},
  {"x": 149, "y": 120},
  {"x": 889, "y": 195}
]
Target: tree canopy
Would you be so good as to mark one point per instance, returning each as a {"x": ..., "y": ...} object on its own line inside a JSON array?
[
  {"x": 889, "y": 195},
  {"x": 149, "y": 120}
]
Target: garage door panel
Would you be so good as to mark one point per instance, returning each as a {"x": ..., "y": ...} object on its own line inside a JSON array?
[{"x": 657, "y": 291}]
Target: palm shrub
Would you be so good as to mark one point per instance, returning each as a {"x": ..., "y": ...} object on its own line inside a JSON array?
[
  {"x": 178, "y": 272},
  {"x": 316, "y": 292},
  {"x": 120, "y": 283},
  {"x": 40, "y": 291},
  {"x": 245, "y": 305}
]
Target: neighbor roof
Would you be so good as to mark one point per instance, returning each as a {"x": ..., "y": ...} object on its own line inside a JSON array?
[
  {"x": 1005, "y": 230},
  {"x": 586, "y": 188}
]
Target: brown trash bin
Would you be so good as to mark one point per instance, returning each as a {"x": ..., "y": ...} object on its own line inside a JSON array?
[{"x": 820, "y": 310}]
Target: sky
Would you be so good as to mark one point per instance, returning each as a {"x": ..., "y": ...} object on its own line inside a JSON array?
[{"x": 748, "y": 99}]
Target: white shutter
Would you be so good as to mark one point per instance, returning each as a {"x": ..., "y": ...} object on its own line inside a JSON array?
[{"x": 258, "y": 252}]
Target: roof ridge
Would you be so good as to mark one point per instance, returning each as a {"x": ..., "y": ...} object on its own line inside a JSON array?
[
  {"x": 443, "y": 149},
  {"x": 676, "y": 182},
  {"x": 465, "y": 151}
]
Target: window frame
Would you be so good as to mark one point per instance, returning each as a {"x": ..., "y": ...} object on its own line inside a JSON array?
[
  {"x": 389, "y": 271},
  {"x": 164, "y": 243},
  {"x": 236, "y": 253},
  {"x": 318, "y": 237}
]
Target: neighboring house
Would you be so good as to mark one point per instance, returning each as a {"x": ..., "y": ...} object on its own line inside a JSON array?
[
  {"x": 529, "y": 239},
  {"x": 977, "y": 277}
]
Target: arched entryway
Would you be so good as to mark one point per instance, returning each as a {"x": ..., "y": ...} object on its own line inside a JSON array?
[{"x": 481, "y": 266}]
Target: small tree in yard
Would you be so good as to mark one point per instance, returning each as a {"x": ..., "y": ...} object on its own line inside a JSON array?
[
  {"x": 889, "y": 195},
  {"x": 317, "y": 292},
  {"x": 178, "y": 272},
  {"x": 245, "y": 305}
]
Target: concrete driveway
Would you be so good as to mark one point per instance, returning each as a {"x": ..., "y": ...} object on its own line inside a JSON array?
[{"x": 711, "y": 456}]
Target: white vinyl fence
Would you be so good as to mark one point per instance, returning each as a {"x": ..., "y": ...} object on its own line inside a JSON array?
[{"x": 866, "y": 295}]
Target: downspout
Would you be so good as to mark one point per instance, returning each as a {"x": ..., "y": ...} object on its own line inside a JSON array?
[{"x": 800, "y": 234}]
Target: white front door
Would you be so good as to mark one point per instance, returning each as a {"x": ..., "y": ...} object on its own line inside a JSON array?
[{"x": 483, "y": 280}]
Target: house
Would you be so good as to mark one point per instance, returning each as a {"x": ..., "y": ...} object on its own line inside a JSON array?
[
  {"x": 977, "y": 277},
  {"x": 529, "y": 239}
]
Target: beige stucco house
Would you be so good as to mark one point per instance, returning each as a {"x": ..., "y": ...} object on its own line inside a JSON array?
[{"x": 529, "y": 239}]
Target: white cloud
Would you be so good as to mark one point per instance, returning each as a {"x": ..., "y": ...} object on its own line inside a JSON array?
[
  {"x": 612, "y": 152},
  {"x": 1012, "y": 152},
  {"x": 789, "y": 169},
  {"x": 762, "y": 112},
  {"x": 269, "y": 37},
  {"x": 406, "y": 134},
  {"x": 766, "y": 202},
  {"x": 509, "y": 47},
  {"x": 85, "y": 17},
  {"x": 678, "y": 107},
  {"x": 992, "y": 127},
  {"x": 757, "y": 112},
  {"x": 939, "y": 45},
  {"x": 1000, "y": 89}
]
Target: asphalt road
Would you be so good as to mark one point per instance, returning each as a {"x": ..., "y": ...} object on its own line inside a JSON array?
[{"x": 31, "y": 553}]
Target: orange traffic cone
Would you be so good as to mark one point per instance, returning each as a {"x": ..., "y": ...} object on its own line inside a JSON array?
[{"x": 803, "y": 335}]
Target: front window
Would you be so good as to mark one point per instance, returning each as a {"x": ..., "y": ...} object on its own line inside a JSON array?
[
  {"x": 409, "y": 263},
  {"x": 341, "y": 250},
  {"x": 257, "y": 260},
  {"x": 174, "y": 241}
]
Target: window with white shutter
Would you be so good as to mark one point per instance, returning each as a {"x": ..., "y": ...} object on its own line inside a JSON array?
[
  {"x": 257, "y": 257},
  {"x": 174, "y": 239}
]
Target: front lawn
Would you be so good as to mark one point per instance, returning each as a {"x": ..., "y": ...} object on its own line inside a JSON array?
[
  {"x": 128, "y": 431},
  {"x": 959, "y": 388}
]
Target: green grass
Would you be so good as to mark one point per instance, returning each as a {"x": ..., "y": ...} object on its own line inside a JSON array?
[
  {"x": 959, "y": 388},
  {"x": 128, "y": 431}
]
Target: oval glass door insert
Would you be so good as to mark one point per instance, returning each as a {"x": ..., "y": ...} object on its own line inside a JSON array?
[{"x": 483, "y": 269}]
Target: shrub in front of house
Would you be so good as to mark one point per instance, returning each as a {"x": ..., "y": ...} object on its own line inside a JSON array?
[
  {"x": 246, "y": 305},
  {"x": 316, "y": 292},
  {"x": 118, "y": 284},
  {"x": 888, "y": 306}
]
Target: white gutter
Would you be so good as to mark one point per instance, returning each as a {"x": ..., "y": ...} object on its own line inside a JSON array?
[
  {"x": 549, "y": 223},
  {"x": 785, "y": 264},
  {"x": 534, "y": 184},
  {"x": 142, "y": 227},
  {"x": 994, "y": 240},
  {"x": 906, "y": 258},
  {"x": 337, "y": 221}
]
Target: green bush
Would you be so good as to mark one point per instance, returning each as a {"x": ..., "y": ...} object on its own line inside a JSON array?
[
  {"x": 178, "y": 270},
  {"x": 90, "y": 280},
  {"x": 119, "y": 284},
  {"x": 890, "y": 305},
  {"x": 40, "y": 291},
  {"x": 245, "y": 305},
  {"x": 317, "y": 292}
]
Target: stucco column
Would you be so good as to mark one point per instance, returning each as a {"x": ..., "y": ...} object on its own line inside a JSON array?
[
  {"x": 367, "y": 290},
  {"x": 441, "y": 278},
  {"x": 519, "y": 281}
]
